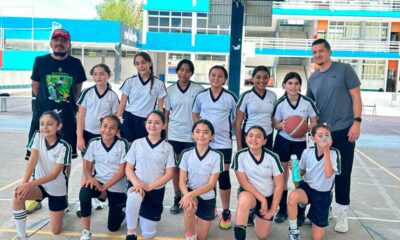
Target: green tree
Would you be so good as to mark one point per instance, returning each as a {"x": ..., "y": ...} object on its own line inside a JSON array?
[{"x": 126, "y": 11}]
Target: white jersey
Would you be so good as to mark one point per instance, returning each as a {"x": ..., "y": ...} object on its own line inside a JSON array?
[
  {"x": 305, "y": 108},
  {"x": 107, "y": 161},
  {"x": 179, "y": 103},
  {"x": 150, "y": 160},
  {"x": 97, "y": 106},
  {"x": 314, "y": 166},
  {"x": 257, "y": 109},
  {"x": 219, "y": 111},
  {"x": 48, "y": 157},
  {"x": 259, "y": 173},
  {"x": 200, "y": 168},
  {"x": 141, "y": 101}
]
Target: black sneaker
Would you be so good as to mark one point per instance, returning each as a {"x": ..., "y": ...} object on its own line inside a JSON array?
[
  {"x": 131, "y": 237},
  {"x": 280, "y": 217},
  {"x": 250, "y": 220},
  {"x": 225, "y": 221},
  {"x": 175, "y": 209}
]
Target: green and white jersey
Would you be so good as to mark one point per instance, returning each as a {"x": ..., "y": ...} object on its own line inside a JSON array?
[
  {"x": 179, "y": 103},
  {"x": 314, "y": 166},
  {"x": 97, "y": 106},
  {"x": 259, "y": 173},
  {"x": 305, "y": 108},
  {"x": 200, "y": 168},
  {"x": 48, "y": 156},
  {"x": 107, "y": 161},
  {"x": 150, "y": 160},
  {"x": 257, "y": 109}
]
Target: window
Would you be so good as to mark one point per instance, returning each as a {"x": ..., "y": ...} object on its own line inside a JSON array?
[
  {"x": 166, "y": 21},
  {"x": 376, "y": 31},
  {"x": 373, "y": 70}
]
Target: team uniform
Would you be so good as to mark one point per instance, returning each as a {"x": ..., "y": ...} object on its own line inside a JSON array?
[
  {"x": 57, "y": 91},
  {"x": 285, "y": 145},
  {"x": 97, "y": 106},
  {"x": 316, "y": 185},
  {"x": 219, "y": 111},
  {"x": 258, "y": 111},
  {"x": 141, "y": 101},
  {"x": 150, "y": 161},
  {"x": 107, "y": 163},
  {"x": 179, "y": 102},
  {"x": 59, "y": 153},
  {"x": 260, "y": 173},
  {"x": 199, "y": 170}
]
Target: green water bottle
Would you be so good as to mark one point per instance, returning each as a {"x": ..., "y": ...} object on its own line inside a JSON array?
[{"x": 295, "y": 168}]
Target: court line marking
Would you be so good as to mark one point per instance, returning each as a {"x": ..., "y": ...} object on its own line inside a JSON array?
[
  {"x": 78, "y": 234},
  {"x": 10, "y": 185},
  {"x": 377, "y": 164}
]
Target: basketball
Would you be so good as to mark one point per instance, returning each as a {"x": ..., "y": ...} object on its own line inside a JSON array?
[{"x": 296, "y": 126}]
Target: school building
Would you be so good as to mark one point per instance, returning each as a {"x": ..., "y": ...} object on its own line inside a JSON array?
[{"x": 276, "y": 34}]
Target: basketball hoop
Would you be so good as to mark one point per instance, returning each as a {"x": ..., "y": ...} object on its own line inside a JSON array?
[{"x": 237, "y": 2}]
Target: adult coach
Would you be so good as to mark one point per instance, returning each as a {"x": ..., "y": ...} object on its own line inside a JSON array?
[{"x": 335, "y": 88}]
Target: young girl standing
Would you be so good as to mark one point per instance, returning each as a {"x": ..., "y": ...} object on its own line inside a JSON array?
[
  {"x": 259, "y": 173},
  {"x": 105, "y": 156},
  {"x": 292, "y": 103},
  {"x": 318, "y": 166},
  {"x": 140, "y": 95},
  {"x": 200, "y": 167},
  {"x": 150, "y": 166},
  {"x": 218, "y": 106},
  {"x": 178, "y": 115},
  {"x": 255, "y": 107},
  {"x": 48, "y": 160},
  {"x": 98, "y": 101}
]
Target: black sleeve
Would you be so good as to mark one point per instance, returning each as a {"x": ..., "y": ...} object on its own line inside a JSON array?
[{"x": 81, "y": 77}]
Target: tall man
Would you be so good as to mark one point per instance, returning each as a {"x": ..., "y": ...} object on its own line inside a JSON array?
[
  {"x": 56, "y": 83},
  {"x": 335, "y": 88}
]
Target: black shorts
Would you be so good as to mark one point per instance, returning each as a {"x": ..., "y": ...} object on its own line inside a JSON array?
[
  {"x": 133, "y": 127},
  {"x": 284, "y": 148},
  {"x": 319, "y": 205},
  {"x": 206, "y": 209},
  {"x": 152, "y": 205},
  {"x": 87, "y": 136},
  {"x": 56, "y": 203},
  {"x": 227, "y": 152},
  {"x": 268, "y": 144},
  {"x": 180, "y": 146},
  {"x": 258, "y": 206}
]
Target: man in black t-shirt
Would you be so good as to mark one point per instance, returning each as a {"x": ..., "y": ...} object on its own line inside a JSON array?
[{"x": 56, "y": 83}]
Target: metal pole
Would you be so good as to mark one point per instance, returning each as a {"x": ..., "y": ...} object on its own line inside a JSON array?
[{"x": 235, "y": 59}]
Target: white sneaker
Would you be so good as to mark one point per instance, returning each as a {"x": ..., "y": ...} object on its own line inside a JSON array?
[
  {"x": 22, "y": 238},
  {"x": 342, "y": 225},
  {"x": 294, "y": 234},
  {"x": 86, "y": 235},
  {"x": 194, "y": 237},
  {"x": 96, "y": 204}
]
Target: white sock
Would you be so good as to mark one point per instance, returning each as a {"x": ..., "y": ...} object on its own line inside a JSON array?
[
  {"x": 133, "y": 203},
  {"x": 342, "y": 207},
  {"x": 292, "y": 224},
  {"x": 20, "y": 221}
]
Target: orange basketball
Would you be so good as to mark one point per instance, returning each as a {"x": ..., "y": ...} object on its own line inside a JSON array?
[{"x": 296, "y": 126}]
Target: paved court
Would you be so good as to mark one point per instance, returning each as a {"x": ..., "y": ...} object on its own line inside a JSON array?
[{"x": 374, "y": 212}]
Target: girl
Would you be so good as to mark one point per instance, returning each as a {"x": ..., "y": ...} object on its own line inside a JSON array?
[
  {"x": 179, "y": 117},
  {"x": 318, "y": 166},
  {"x": 139, "y": 97},
  {"x": 105, "y": 155},
  {"x": 218, "y": 106},
  {"x": 150, "y": 166},
  {"x": 48, "y": 160},
  {"x": 291, "y": 103},
  {"x": 200, "y": 167},
  {"x": 99, "y": 101},
  {"x": 255, "y": 108},
  {"x": 259, "y": 174}
]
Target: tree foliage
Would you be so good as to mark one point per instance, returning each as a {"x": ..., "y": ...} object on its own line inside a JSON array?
[{"x": 126, "y": 11}]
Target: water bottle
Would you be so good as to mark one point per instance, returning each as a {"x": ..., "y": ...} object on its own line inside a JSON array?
[{"x": 295, "y": 168}]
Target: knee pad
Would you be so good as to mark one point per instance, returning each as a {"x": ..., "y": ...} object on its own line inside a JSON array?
[
  {"x": 224, "y": 181},
  {"x": 240, "y": 232},
  {"x": 148, "y": 228}
]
